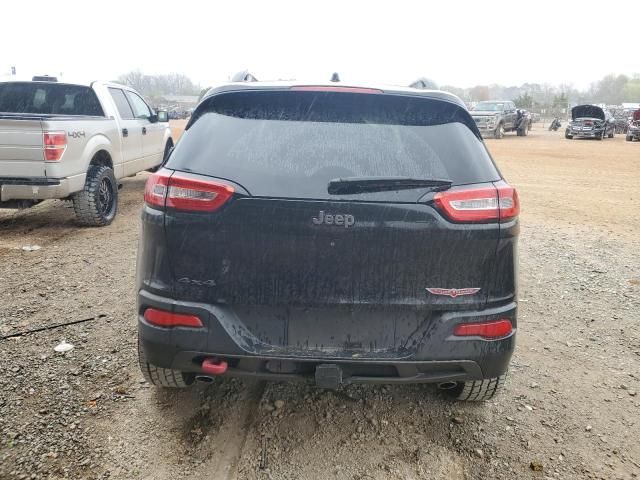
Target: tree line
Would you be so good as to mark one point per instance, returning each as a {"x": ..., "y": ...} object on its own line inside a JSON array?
[
  {"x": 153, "y": 86},
  {"x": 610, "y": 90}
]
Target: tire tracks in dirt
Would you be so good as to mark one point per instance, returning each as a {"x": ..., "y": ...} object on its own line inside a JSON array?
[{"x": 224, "y": 464}]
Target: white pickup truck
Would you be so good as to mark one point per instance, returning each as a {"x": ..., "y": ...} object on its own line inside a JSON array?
[{"x": 75, "y": 141}]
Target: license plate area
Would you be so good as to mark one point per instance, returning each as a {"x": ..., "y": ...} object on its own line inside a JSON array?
[{"x": 336, "y": 332}]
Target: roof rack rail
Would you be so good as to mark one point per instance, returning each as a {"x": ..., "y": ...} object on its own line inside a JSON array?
[{"x": 243, "y": 76}]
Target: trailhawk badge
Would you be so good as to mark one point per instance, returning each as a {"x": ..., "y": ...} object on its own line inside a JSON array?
[{"x": 453, "y": 292}]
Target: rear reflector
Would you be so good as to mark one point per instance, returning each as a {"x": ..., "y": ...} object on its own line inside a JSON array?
[
  {"x": 186, "y": 194},
  {"x": 53, "y": 144},
  {"x": 491, "y": 330},
  {"x": 321, "y": 88},
  {"x": 162, "y": 318},
  {"x": 479, "y": 205}
]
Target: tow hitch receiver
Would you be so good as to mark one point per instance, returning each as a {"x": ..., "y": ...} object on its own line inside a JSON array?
[{"x": 328, "y": 376}]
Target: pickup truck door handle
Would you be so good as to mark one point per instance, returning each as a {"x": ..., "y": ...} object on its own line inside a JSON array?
[
  {"x": 144, "y": 130},
  {"x": 125, "y": 132}
]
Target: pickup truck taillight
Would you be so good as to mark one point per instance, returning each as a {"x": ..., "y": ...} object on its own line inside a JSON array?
[
  {"x": 184, "y": 193},
  {"x": 53, "y": 145}
]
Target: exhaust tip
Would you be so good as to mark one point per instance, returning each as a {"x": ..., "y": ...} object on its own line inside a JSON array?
[{"x": 447, "y": 385}]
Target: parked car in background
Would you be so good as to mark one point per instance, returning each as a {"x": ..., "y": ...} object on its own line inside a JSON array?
[
  {"x": 621, "y": 120},
  {"x": 494, "y": 118},
  {"x": 332, "y": 233},
  {"x": 179, "y": 114},
  {"x": 75, "y": 141},
  {"x": 633, "y": 130},
  {"x": 590, "y": 121}
]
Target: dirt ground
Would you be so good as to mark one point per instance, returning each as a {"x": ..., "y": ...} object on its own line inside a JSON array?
[{"x": 570, "y": 410}]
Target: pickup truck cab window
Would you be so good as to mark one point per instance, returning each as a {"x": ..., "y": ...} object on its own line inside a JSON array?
[
  {"x": 124, "y": 109},
  {"x": 48, "y": 99},
  {"x": 140, "y": 108}
]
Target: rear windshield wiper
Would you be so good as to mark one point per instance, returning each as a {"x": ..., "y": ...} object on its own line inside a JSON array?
[{"x": 353, "y": 185}]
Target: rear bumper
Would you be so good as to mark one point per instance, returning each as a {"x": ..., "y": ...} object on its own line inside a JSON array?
[
  {"x": 39, "y": 188},
  {"x": 437, "y": 357}
]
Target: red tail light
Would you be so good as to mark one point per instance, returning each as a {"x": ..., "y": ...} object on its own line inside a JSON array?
[
  {"x": 490, "y": 330},
  {"x": 53, "y": 145},
  {"x": 183, "y": 193},
  {"x": 162, "y": 318},
  {"x": 321, "y": 88},
  {"x": 155, "y": 190},
  {"x": 479, "y": 205}
]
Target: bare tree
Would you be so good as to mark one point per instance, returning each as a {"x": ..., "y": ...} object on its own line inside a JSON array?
[{"x": 158, "y": 85}]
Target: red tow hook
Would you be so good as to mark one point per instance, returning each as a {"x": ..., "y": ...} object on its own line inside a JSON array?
[{"x": 214, "y": 366}]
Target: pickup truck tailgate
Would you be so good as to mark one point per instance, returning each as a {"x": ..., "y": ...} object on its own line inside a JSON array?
[{"x": 21, "y": 148}]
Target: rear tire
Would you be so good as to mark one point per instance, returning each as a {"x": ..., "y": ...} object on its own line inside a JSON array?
[
  {"x": 479, "y": 390},
  {"x": 163, "y": 377},
  {"x": 97, "y": 203},
  {"x": 629, "y": 138}
]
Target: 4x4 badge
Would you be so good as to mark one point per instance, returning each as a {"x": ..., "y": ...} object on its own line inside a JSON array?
[{"x": 453, "y": 292}]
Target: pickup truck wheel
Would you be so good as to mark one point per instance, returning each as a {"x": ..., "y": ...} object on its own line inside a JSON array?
[
  {"x": 96, "y": 204},
  {"x": 163, "y": 377},
  {"x": 629, "y": 138},
  {"x": 479, "y": 390},
  {"x": 499, "y": 132}
]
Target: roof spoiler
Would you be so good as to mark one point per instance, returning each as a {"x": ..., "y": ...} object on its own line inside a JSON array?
[{"x": 243, "y": 76}]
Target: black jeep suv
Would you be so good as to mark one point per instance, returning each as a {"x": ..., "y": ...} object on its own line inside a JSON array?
[{"x": 330, "y": 233}]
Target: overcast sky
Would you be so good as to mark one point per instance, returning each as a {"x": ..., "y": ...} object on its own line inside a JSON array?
[{"x": 453, "y": 42}]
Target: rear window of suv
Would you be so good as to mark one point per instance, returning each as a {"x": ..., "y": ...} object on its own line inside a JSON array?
[
  {"x": 48, "y": 99},
  {"x": 292, "y": 143}
]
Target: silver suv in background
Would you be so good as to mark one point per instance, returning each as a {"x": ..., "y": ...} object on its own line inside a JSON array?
[{"x": 75, "y": 141}]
